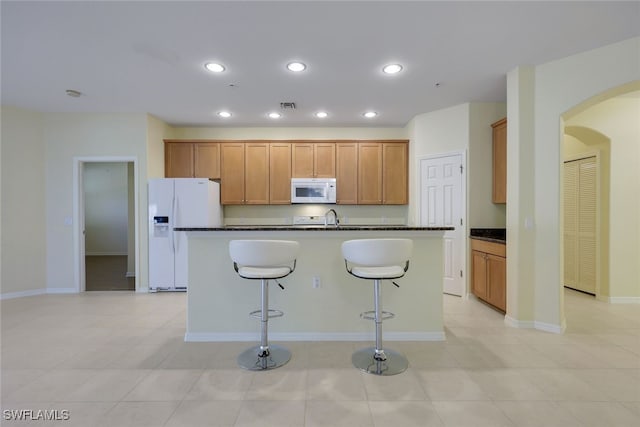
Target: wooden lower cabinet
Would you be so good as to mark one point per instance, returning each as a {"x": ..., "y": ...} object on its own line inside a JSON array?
[{"x": 489, "y": 272}]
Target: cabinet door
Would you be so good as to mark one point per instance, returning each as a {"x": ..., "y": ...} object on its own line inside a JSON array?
[
  {"x": 500, "y": 161},
  {"x": 479, "y": 274},
  {"x": 302, "y": 160},
  {"x": 207, "y": 160},
  {"x": 256, "y": 173},
  {"x": 178, "y": 160},
  {"x": 497, "y": 281},
  {"x": 369, "y": 173},
  {"x": 347, "y": 173},
  {"x": 324, "y": 160},
  {"x": 394, "y": 174},
  {"x": 232, "y": 173},
  {"x": 279, "y": 173}
]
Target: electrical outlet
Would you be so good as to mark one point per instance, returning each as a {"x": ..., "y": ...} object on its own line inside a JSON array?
[{"x": 315, "y": 282}]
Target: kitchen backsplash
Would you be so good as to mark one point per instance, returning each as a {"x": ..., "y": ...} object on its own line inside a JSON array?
[{"x": 277, "y": 215}]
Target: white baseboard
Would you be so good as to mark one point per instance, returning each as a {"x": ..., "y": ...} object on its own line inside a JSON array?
[
  {"x": 30, "y": 293},
  {"x": 310, "y": 336},
  {"x": 622, "y": 300},
  {"x": 521, "y": 324},
  {"x": 62, "y": 291},
  {"x": 534, "y": 324}
]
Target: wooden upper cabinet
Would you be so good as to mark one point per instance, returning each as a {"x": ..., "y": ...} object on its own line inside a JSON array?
[
  {"x": 178, "y": 160},
  {"x": 232, "y": 173},
  {"x": 256, "y": 173},
  {"x": 347, "y": 173},
  {"x": 207, "y": 160},
  {"x": 324, "y": 160},
  {"x": 302, "y": 160},
  {"x": 369, "y": 173},
  {"x": 313, "y": 160},
  {"x": 395, "y": 173},
  {"x": 279, "y": 173},
  {"x": 499, "y": 161}
]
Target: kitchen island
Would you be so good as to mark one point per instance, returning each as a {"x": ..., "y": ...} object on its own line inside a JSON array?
[{"x": 321, "y": 300}]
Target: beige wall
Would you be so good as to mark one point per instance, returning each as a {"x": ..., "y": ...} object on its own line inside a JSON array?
[
  {"x": 537, "y": 99},
  {"x": 70, "y": 135},
  {"x": 616, "y": 121},
  {"x": 23, "y": 209},
  {"x": 481, "y": 211},
  {"x": 464, "y": 128}
]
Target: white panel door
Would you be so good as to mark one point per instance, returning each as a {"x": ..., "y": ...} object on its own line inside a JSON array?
[{"x": 441, "y": 203}]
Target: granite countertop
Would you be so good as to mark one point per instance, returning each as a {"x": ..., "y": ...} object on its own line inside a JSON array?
[
  {"x": 498, "y": 235},
  {"x": 347, "y": 227}
]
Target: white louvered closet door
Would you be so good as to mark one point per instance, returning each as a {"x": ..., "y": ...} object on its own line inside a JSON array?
[{"x": 580, "y": 181}]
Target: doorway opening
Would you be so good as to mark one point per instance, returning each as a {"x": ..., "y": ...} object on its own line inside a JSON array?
[
  {"x": 108, "y": 214},
  {"x": 105, "y": 234}
]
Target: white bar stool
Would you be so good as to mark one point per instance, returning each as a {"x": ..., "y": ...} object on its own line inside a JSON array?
[
  {"x": 264, "y": 260},
  {"x": 377, "y": 260}
]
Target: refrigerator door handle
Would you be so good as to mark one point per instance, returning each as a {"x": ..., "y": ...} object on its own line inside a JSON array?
[{"x": 172, "y": 224}]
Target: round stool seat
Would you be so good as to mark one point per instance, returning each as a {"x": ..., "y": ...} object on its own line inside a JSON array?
[
  {"x": 389, "y": 272},
  {"x": 263, "y": 273}
]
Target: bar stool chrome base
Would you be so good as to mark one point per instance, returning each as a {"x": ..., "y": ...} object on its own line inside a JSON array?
[
  {"x": 250, "y": 358},
  {"x": 364, "y": 359}
]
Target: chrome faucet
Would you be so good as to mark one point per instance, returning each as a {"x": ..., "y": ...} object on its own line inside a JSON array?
[{"x": 336, "y": 221}]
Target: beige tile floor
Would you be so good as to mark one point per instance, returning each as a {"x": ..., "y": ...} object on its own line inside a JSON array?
[{"x": 118, "y": 359}]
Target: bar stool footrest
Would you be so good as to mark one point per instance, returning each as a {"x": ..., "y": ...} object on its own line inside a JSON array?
[
  {"x": 371, "y": 315},
  {"x": 271, "y": 314}
]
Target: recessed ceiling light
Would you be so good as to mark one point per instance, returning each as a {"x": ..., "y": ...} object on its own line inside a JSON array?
[
  {"x": 392, "y": 68},
  {"x": 322, "y": 114},
  {"x": 224, "y": 114},
  {"x": 275, "y": 115},
  {"x": 370, "y": 114},
  {"x": 214, "y": 67},
  {"x": 296, "y": 67}
]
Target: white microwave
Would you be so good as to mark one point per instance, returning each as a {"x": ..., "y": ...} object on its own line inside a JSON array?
[{"x": 313, "y": 190}]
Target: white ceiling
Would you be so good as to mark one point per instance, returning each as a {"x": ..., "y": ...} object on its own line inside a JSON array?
[{"x": 148, "y": 57}]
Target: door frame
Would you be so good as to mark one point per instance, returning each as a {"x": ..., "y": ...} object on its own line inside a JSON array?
[
  {"x": 463, "y": 206},
  {"x": 79, "y": 267}
]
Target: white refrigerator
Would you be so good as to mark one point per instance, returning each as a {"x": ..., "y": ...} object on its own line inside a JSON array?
[{"x": 177, "y": 202}]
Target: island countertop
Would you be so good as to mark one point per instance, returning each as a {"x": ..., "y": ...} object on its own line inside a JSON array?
[{"x": 347, "y": 227}]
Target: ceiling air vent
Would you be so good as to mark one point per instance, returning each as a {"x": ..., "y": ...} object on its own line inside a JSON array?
[{"x": 288, "y": 105}]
